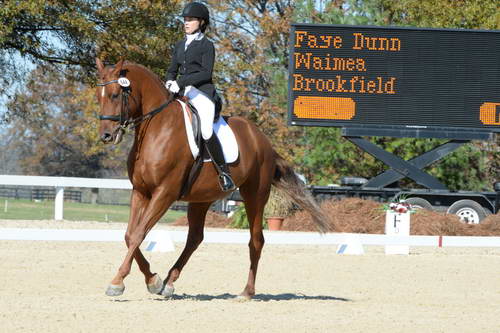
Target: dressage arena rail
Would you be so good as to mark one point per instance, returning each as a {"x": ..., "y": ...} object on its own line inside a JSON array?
[
  {"x": 61, "y": 182},
  {"x": 242, "y": 237},
  {"x": 230, "y": 237}
]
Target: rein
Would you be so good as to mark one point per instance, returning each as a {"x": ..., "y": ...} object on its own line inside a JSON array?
[
  {"x": 135, "y": 122},
  {"x": 123, "y": 118}
]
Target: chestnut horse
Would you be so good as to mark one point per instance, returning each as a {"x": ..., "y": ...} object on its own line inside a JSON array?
[{"x": 159, "y": 163}]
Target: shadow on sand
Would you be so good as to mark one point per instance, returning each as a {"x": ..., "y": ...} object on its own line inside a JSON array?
[{"x": 258, "y": 297}]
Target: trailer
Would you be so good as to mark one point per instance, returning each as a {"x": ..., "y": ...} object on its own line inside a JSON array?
[
  {"x": 469, "y": 206},
  {"x": 399, "y": 82}
]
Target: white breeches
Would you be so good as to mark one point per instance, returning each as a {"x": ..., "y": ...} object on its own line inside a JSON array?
[{"x": 205, "y": 107}]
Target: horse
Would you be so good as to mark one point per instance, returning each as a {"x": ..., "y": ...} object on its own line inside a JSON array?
[{"x": 160, "y": 161}]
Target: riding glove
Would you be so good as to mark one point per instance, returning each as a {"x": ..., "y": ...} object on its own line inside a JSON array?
[{"x": 172, "y": 86}]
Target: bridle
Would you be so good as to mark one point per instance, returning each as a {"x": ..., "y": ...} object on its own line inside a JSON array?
[{"x": 123, "y": 118}]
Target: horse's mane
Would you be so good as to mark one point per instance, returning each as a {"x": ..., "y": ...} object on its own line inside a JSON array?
[{"x": 145, "y": 69}]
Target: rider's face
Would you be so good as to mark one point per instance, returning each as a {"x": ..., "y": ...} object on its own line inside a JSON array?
[{"x": 191, "y": 24}]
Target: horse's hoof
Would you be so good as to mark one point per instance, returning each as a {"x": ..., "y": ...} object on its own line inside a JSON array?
[
  {"x": 157, "y": 285},
  {"x": 168, "y": 291},
  {"x": 114, "y": 290}
]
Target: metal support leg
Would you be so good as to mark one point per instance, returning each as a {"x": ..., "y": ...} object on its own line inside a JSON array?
[
  {"x": 402, "y": 168},
  {"x": 421, "y": 161}
]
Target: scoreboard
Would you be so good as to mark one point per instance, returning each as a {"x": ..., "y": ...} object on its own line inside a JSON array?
[{"x": 407, "y": 79}]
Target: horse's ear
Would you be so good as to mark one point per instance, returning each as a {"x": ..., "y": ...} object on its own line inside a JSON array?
[
  {"x": 100, "y": 65},
  {"x": 118, "y": 66}
]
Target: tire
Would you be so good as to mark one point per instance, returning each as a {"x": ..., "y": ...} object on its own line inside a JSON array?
[
  {"x": 468, "y": 211},
  {"x": 419, "y": 203}
]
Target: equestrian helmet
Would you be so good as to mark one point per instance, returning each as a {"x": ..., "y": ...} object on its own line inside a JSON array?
[{"x": 196, "y": 9}]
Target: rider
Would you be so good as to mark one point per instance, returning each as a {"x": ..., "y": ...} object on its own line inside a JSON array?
[{"x": 190, "y": 74}]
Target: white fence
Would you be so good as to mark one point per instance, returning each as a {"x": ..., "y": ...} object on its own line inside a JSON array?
[
  {"x": 242, "y": 237},
  {"x": 59, "y": 183}
]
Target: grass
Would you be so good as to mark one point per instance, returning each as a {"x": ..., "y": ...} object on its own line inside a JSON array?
[{"x": 30, "y": 210}]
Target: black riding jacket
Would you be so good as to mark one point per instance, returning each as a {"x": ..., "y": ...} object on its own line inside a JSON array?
[{"x": 194, "y": 66}]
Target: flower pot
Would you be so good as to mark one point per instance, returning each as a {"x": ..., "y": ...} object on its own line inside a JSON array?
[{"x": 275, "y": 223}]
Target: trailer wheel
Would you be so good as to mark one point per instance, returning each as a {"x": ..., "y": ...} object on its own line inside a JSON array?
[
  {"x": 419, "y": 203},
  {"x": 468, "y": 211}
]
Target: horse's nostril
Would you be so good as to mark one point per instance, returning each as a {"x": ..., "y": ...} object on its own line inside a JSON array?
[{"x": 106, "y": 137}]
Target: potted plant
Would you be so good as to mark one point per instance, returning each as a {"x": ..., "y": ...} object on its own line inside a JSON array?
[{"x": 278, "y": 207}]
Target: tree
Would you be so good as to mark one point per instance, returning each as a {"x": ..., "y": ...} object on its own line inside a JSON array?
[
  {"x": 8, "y": 156},
  {"x": 52, "y": 119},
  {"x": 251, "y": 38},
  {"x": 466, "y": 14},
  {"x": 69, "y": 34},
  {"x": 55, "y": 130}
]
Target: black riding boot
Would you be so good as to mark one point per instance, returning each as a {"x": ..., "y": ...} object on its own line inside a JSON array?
[{"x": 215, "y": 151}]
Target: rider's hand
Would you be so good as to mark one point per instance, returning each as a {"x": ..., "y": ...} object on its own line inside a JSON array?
[{"x": 173, "y": 86}]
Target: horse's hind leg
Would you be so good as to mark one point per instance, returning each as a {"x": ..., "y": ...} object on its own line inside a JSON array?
[
  {"x": 196, "y": 217},
  {"x": 255, "y": 197}
]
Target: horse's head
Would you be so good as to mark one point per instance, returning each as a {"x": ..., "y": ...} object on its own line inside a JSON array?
[{"x": 118, "y": 106}]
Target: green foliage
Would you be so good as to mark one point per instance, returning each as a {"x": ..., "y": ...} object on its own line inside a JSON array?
[
  {"x": 240, "y": 219},
  {"x": 70, "y": 34},
  {"x": 53, "y": 118},
  {"x": 73, "y": 32},
  {"x": 324, "y": 157},
  {"x": 467, "y": 14}
]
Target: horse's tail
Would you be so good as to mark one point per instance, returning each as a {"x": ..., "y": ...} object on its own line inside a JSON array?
[{"x": 286, "y": 180}]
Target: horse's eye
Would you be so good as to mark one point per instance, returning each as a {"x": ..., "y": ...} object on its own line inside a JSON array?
[{"x": 114, "y": 96}]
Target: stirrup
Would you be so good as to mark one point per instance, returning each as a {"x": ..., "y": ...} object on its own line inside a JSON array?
[{"x": 226, "y": 182}]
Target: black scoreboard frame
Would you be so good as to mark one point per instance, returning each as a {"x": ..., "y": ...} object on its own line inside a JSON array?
[{"x": 357, "y": 129}]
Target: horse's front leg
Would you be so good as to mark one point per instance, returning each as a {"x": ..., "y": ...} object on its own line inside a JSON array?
[
  {"x": 149, "y": 215},
  {"x": 138, "y": 203}
]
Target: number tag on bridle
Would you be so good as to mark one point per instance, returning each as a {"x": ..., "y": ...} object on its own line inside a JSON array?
[{"x": 124, "y": 82}]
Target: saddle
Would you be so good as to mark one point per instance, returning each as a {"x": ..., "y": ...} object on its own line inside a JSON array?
[
  {"x": 195, "y": 117},
  {"x": 203, "y": 151}
]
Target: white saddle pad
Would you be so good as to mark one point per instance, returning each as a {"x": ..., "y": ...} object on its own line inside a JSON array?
[{"x": 223, "y": 132}]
